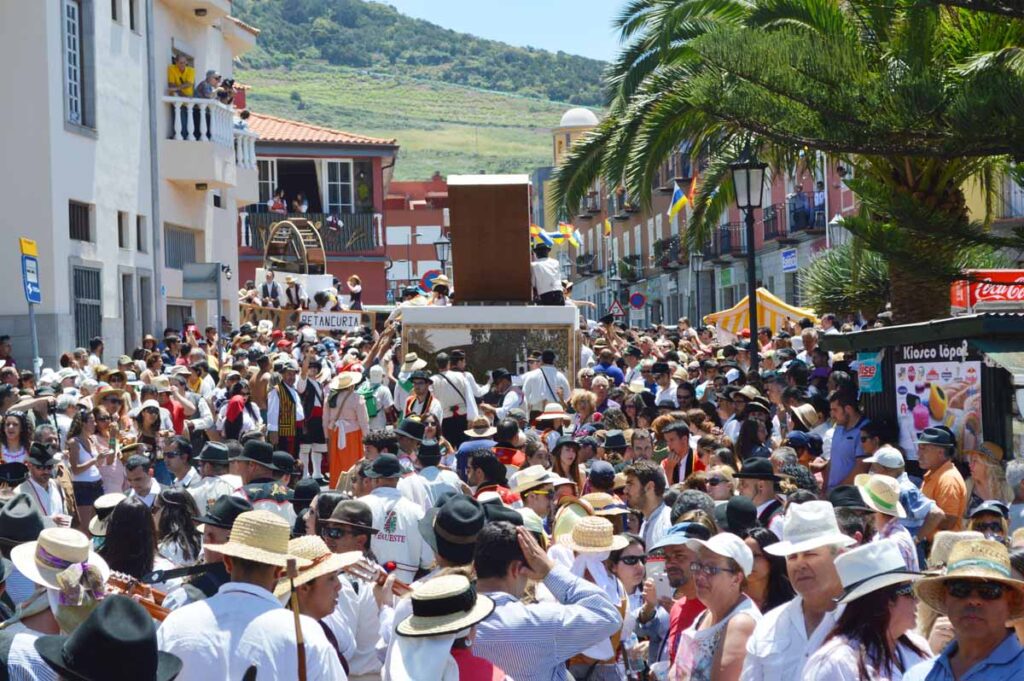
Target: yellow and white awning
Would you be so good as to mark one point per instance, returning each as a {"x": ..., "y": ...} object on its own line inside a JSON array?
[{"x": 771, "y": 312}]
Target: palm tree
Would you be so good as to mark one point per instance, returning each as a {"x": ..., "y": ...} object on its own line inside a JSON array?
[{"x": 917, "y": 97}]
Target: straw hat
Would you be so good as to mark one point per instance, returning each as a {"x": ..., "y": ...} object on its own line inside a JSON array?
[
  {"x": 637, "y": 386},
  {"x": 104, "y": 506},
  {"x": 531, "y": 477},
  {"x": 990, "y": 451},
  {"x": 943, "y": 543},
  {"x": 59, "y": 552},
  {"x": 593, "y": 534},
  {"x": 412, "y": 362},
  {"x": 321, "y": 561},
  {"x": 162, "y": 384},
  {"x": 605, "y": 504},
  {"x": 552, "y": 411},
  {"x": 441, "y": 280},
  {"x": 262, "y": 537},
  {"x": 444, "y": 605},
  {"x": 880, "y": 493},
  {"x": 102, "y": 394},
  {"x": 480, "y": 427},
  {"x": 981, "y": 560},
  {"x": 807, "y": 415},
  {"x": 345, "y": 380},
  {"x": 871, "y": 567}
]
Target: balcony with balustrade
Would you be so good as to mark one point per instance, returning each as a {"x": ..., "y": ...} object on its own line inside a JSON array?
[
  {"x": 731, "y": 241},
  {"x": 342, "y": 233},
  {"x": 668, "y": 254},
  {"x": 204, "y": 149}
]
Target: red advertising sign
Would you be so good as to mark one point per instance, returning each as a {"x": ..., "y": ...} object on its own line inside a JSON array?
[{"x": 988, "y": 289}]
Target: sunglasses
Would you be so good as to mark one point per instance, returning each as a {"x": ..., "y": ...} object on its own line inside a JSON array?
[
  {"x": 103, "y": 418},
  {"x": 904, "y": 591},
  {"x": 709, "y": 570},
  {"x": 716, "y": 481},
  {"x": 336, "y": 532},
  {"x": 994, "y": 526},
  {"x": 633, "y": 560},
  {"x": 987, "y": 591},
  {"x": 48, "y": 467}
]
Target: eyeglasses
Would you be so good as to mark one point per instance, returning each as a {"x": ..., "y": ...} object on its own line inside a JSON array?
[
  {"x": 904, "y": 591},
  {"x": 633, "y": 560},
  {"x": 336, "y": 532},
  {"x": 987, "y": 591},
  {"x": 709, "y": 570}
]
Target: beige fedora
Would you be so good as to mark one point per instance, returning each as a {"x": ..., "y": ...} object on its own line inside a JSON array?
[
  {"x": 531, "y": 477},
  {"x": 593, "y": 534},
  {"x": 943, "y": 543},
  {"x": 321, "y": 561},
  {"x": 981, "y": 560},
  {"x": 807, "y": 415},
  {"x": 553, "y": 411},
  {"x": 444, "y": 605},
  {"x": 59, "y": 556},
  {"x": 345, "y": 380},
  {"x": 262, "y": 537},
  {"x": 412, "y": 362},
  {"x": 637, "y": 386},
  {"x": 440, "y": 280},
  {"x": 880, "y": 493},
  {"x": 605, "y": 504},
  {"x": 162, "y": 384},
  {"x": 480, "y": 427}
]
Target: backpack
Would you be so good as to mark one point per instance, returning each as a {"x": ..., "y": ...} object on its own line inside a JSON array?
[{"x": 368, "y": 393}]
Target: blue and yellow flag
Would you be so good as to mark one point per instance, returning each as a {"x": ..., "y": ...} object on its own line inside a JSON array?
[
  {"x": 679, "y": 200},
  {"x": 538, "y": 235},
  {"x": 569, "y": 234}
]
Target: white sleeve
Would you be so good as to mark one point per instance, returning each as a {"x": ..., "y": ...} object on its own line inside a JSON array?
[
  {"x": 471, "y": 409},
  {"x": 273, "y": 407}
]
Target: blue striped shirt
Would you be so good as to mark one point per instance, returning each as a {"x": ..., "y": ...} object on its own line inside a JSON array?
[{"x": 533, "y": 642}]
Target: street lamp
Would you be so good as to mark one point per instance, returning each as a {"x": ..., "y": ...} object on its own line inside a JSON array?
[
  {"x": 443, "y": 251},
  {"x": 748, "y": 181},
  {"x": 697, "y": 264}
]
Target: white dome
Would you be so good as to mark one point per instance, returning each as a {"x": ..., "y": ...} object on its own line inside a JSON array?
[{"x": 578, "y": 118}]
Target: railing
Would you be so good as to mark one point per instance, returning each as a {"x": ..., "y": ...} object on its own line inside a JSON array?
[
  {"x": 667, "y": 253},
  {"x": 732, "y": 239},
  {"x": 201, "y": 120},
  {"x": 774, "y": 221},
  {"x": 245, "y": 148},
  {"x": 804, "y": 216},
  {"x": 630, "y": 267},
  {"x": 341, "y": 232}
]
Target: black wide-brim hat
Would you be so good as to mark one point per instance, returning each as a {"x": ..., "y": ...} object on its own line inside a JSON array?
[
  {"x": 259, "y": 452},
  {"x": 224, "y": 511},
  {"x": 757, "y": 468},
  {"x": 451, "y": 529}
]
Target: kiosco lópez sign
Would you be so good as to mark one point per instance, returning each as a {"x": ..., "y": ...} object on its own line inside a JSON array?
[{"x": 331, "y": 321}]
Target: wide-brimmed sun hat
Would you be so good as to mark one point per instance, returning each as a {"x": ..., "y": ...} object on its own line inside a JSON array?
[
  {"x": 412, "y": 362},
  {"x": 807, "y": 415},
  {"x": 871, "y": 567},
  {"x": 807, "y": 526},
  {"x": 880, "y": 493},
  {"x": 552, "y": 411},
  {"x": 989, "y": 451},
  {"x": 440, "y": 280},
  {"x": 593, "y": 534},
  {"x": 480, "y": 427},
  {"x": 943, "y": 543},
  {"x": 531, "y": 477},
  {"x": 444, "y": 605},
  {"x": 321, "y": 561},
  {"x": 980, "y": 560},
  {"x": 345, "y": 380},
  {"x": 262, "y": 537},
  {"x": 65, "y": 553}
]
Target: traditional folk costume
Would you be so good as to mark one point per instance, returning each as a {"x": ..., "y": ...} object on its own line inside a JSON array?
[
  {"x": 346, "y": 420},
  {"x": 285, "y": 417},
  {"x": 312, "y": 441}
]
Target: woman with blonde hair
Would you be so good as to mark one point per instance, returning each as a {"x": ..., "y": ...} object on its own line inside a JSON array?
[
  {"x": 584, "y": 403},
  {"x": 988, "y": 476},
  {"x": 721, "y": 485}
]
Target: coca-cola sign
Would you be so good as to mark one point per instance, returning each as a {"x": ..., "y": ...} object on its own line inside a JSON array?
[{"x": 1000, "y": 289}]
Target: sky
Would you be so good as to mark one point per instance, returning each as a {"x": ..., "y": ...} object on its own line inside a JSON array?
[{"x": 581, "y": 27}]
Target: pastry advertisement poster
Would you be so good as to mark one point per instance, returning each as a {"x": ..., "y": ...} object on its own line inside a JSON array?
[{"x": 938, "y": 384}]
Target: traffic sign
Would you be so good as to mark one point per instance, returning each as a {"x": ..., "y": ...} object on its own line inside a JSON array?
[
  {"x": 616, "y": 309},
  {"x": 30, "y": 279},
  {"x": 427, "y": 280},
  {"x": 637, "y": 301},
  {"x": 789, "y": 260}
]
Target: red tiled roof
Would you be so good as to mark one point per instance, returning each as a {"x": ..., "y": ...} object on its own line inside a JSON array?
[
  {"x": 274, "y": 129},
  {"x": 241, "y": 24}
]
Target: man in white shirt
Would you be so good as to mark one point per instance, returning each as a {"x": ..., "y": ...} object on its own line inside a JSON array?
[
  {"x": 43, "y": 491},
  {"x": 546, "y": 277},
  {"x": 284, "y": 410},
  {"x": 788, "y": 635},
  {"x": 396, "y": 520},
  {"x": 457, "y": 397},
  {"x": 644, "y": 491},
  {"x": 143, "y": 485},
  {"x": 544, "y": 384},
  {"x": 436, "y": 481},
  {"x": 666, "y": 392},
  {"x": 213, "y": 463},
  {"x": 179, "y": 462},
  {"x": 382, "y": 400},
  {"x": 244, "y": 625}
]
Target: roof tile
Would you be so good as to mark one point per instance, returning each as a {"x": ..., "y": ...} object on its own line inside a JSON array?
[{"x": 274, "y": 129}]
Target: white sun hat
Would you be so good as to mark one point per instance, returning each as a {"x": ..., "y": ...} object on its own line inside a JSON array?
[
  {"x": 809, "y": 526},
  {"x": 871, "y": 567}
]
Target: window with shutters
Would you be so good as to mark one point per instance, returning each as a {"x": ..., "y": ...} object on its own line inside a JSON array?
[
  {"x": 88, "y": 294},
  {"x": 73, "y": 60},
  {"x": 179, "y": 247},
  {"x": 79, "y": 221}
]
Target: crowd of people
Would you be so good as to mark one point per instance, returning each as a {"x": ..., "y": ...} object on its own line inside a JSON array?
[{"x": 283, "y": 504}]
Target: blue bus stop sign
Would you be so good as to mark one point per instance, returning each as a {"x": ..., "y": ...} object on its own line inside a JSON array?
[{"x": 30, "y": 279}]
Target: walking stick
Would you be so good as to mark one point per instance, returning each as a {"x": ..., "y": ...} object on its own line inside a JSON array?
[{"x": 293, "y": 572}]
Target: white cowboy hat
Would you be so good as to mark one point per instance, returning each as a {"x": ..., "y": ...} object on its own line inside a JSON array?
[
  {"x": 412, "y": 362},
  {"x": 809, "y": 526},
  {"x": 880, "y": 493},
  {"x": 593, "y": 534},
  {"x": 871, "y": 567},
  {"x": 322, "y": 561}
]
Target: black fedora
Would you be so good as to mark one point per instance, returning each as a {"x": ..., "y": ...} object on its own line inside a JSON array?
[
  {"x": 214, "y": 452},
  {"x": 410, "y": 428},
  {"x": 938, "y": 436},
  {"x": 224, "y": 511},
  {"x": 615, "y": 440},
  {"x": 116, "y": 641},
  {"x": 736, "y": 515},
  {"x": 20, "y": 521},
  {"x": 283, "y": 462},
  {"x": 451, "y": 528},
  {"x": 41, "y": 455},
  {"x": 758, "y": 468},
  {"x": 259, "y": 452},
  {"x": 385, "y": 466},
  {"x": 848, "y": 496},
  {"x": 13, "y": 474},
  {"x": 305, "y": 491}
]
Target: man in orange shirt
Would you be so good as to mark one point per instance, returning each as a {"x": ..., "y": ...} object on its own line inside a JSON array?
[{"x": 942, "y": 481}]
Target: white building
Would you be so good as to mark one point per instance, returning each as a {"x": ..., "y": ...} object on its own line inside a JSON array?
[{"x": 92, "y": 170}]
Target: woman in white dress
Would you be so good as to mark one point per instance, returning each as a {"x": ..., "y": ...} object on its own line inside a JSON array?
[{"x": 873, "y": 640}]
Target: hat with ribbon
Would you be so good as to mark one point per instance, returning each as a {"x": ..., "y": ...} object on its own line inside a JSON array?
[
  {"x": 224, "y": 511},
  {"x": 809, "y": 526},
  {"x": 605, "y": 504},
  {"x": 412, "y": 362},
  {"x": 615, "y": 440},
  {"x": 480, "y": 427},
  {"x": 444, "y": 605},
  {"x": 530, "y": 478},
  {"x": 871, "y": 567},
  {"x": 552, "y": 411},
  {"x": 940, "y": 437},
  {"x": 411, "y": 428},
  {"x": 321, "y": 561},
  {"x": 103, "y": 507},
  {"x": 20, "y": 521},
  {"x": 978, "y": 560},
  {"x": 757, "y": 468},
  {"x": 451, "y": 528},
  {"x": 880, "y": 493},
  {"x": 63, "y": 559}
]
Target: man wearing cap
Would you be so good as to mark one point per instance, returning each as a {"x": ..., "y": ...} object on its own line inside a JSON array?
[
  {"x": 421, "y": 401},
  {"x": 759, "y": 483},
  {"x": 258, "y": 484},
  {"x": 244, "y": 624},
  {"x": 979, "y": 596},
  {"x": 284, "y": 410},
  {"x": 46, "y": 495},
  {"x": 397, "y": 520},
  {"x": 788, "y": 635},
  {"x": 213, "y": 464},
  {"x": 942, "y": 481},
  {"x": 545, "y": 384},
  {"x": 546, "y": 277}
]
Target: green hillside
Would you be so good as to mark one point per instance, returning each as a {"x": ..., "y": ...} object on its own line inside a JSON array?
[{"x": 455, "y": 103}]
